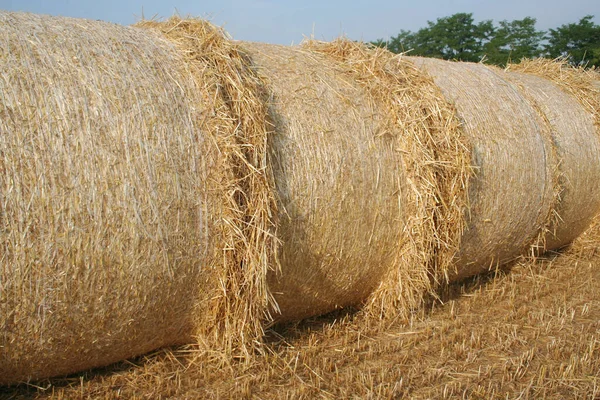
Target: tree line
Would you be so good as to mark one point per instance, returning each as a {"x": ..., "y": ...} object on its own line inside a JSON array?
[{"x": 459, "y": 37}]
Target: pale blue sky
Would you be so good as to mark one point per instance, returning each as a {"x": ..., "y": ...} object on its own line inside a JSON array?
[{"x": 288, "y": 22}]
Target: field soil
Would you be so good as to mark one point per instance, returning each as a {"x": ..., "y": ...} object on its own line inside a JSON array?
[{"x": 529, "y": 331}]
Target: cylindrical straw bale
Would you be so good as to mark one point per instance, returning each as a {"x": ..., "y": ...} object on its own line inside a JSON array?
[
  {"x": 339, "y": 180},
  {"x": 511, "y": 194},
  {"x": 577, "y": 146},
  {"x": 104, "y": 232}
]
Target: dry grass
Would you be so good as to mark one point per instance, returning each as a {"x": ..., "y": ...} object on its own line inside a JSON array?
[{"x": 531, "y": 332}]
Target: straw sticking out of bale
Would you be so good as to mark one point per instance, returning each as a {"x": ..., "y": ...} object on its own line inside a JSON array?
[
  {"x": 104, "y": 218},
  {"x": 245, "y": 235},
  {"x": 512, "y": 193},
  {"x": 436, "y": 163},
  {"x": 577, "y": 146}
]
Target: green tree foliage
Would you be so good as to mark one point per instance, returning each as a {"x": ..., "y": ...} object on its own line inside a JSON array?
[
  {"x": 579, "y": 42},
  {"x": 513, "y": 41},
  {"x": 459, "y": 37},
  {"x": 456, "y": 37}
]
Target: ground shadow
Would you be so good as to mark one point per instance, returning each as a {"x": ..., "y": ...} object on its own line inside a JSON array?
[{"x": 45, "y": 387}]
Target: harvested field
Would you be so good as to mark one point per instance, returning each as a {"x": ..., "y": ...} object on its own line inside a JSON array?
[{"x": 531, "y": 332}]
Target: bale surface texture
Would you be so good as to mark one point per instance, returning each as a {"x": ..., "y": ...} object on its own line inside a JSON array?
[
  {"x": 511, "y": 194},
  {"x": 577, "y": 146},
  {"x": 103, "y": 187}
]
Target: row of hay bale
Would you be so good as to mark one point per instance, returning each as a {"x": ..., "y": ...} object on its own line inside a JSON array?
[
  {"x": 535, "y": 148},
  {"x": 163, "y": 184}
]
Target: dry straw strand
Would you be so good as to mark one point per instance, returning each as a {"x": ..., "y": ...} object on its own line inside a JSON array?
[{"x": 240, "y": 127}]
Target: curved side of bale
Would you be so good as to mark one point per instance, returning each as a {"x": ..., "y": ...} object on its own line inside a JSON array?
[
  {"x": 104, "y": 191},
  {"x": 436, "y": 162},
  {"x": 582, "y": 85},
  {"x": 511, "y": 195},
  {"x": 578, "y": 145},
  {"x": 244, "y": 206},
  {"x": 339, "y": 181}
]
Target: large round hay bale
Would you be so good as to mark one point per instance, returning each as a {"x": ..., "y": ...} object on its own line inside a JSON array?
[
  {"x": 511, "y": 195},
  {"x": 577, "y": 145},
  {"x": 370, "y": 174},
  {"x": 103, "y": 221},
  {"x": 340, "y": 184},
  {"x": 436, "y": 165},
  {"x": 132, "y": 191}
]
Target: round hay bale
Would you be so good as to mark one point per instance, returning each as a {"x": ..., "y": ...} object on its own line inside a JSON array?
[
  {"x": 103, "y": 180},
  {"x": 511, "y": 195},
  {"x": 577, "y": 144},
  {"x": 436, "y": 163},
  {"x": 133, "y": 188},
  {"x": 339, "y": 180}
]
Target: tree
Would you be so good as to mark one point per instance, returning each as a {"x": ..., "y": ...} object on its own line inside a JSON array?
[
  {"x": 456, "y": 37},
  {"x": 513, "y": 41},
  {"x": 579, "y": 42},
  {"x": 401, "y": 43}
]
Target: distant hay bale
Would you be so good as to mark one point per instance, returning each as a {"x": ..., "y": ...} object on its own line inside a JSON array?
[
  {"x": 129, "y": 183},
  {"x": 512, "y": 193},
  {"x": 577, "y": 144}
]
